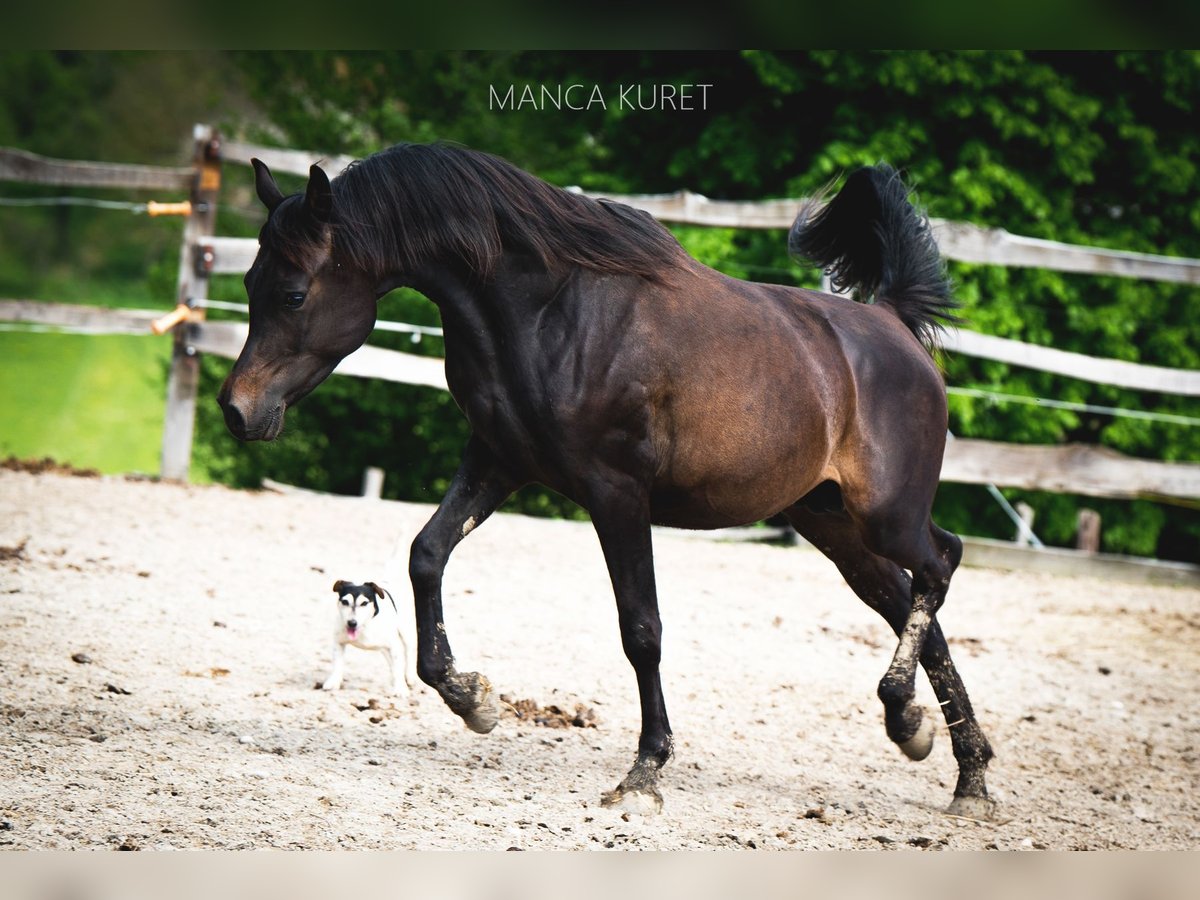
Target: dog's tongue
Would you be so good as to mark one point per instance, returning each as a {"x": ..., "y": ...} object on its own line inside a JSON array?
[{"x": 351, "y": 633}]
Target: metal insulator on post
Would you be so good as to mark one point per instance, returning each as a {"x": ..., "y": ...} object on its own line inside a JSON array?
[{"x": 155, "y": 208}]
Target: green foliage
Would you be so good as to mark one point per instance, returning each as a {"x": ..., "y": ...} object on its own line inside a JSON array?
[{"x": 135, "y": 107}]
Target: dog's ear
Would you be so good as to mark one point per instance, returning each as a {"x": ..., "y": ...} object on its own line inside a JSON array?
[
  {"x": 339, "y": 585},
  {"x": 376, "y": 588}
]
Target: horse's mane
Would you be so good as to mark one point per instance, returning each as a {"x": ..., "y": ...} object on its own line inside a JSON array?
[{"x": 415, "y": 203}]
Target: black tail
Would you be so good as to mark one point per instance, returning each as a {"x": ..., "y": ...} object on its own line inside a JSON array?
[{"x": 871, "y": 239}]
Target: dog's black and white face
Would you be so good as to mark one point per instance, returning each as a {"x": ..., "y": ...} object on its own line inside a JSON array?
[{"x": 358, "y": 604}]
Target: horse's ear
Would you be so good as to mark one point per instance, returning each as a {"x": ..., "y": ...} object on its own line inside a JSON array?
[
  {"x": 376, "y": 588},
  {"x": 264, "y": 183},
  {"x": 337, "y": 587},
  {"x": 318, "y": 198}
]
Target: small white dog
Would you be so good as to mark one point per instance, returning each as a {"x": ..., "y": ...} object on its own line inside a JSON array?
[{"x": 365, "y": 622}]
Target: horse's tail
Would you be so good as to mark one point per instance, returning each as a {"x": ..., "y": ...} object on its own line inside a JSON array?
[{"x": 871, "y": 239}]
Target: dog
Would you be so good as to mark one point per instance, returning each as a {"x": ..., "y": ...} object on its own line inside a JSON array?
[{"x": 367, "y": 618}]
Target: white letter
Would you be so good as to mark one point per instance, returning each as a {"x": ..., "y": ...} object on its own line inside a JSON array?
[
  {"x": 493, "y": 99},
  {"x": 624, "y": 96},
  {"x": 704, "y": 95}
]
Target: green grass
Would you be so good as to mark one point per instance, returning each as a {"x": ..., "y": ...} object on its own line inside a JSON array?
[{"x": 94, "y": 401}]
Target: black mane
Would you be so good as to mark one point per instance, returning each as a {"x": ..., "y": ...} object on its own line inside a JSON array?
[{"x": 416, "y": 203}]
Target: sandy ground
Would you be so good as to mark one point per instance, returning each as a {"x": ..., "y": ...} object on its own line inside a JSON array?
[{"x": 203, "y": 614}]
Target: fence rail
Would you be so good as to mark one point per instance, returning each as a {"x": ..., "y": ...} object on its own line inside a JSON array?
[
  {"x": 20, "y": 165},
  {"x": 1072, "y": 468},
  {"x": 962, "y": 241},
  {"x": 226, "y": 339},
  {"x": 1076, "y": 469},
  {"x": 235, "y": 256},
  {"x": 230, "y": 255},
  {"x": 95, "y": 319},
  {"x": 293, "y": 162},
  {"x": 1098, "y": 370}
]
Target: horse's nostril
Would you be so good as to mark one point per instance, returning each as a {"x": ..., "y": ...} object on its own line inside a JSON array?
[{"x": 234, "y": 420}]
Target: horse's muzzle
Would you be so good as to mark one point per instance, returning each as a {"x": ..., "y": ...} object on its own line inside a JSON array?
[{"x": 246, "y": 426}]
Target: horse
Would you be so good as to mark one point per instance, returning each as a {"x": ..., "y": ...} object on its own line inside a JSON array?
[{"x": 591, "y": 354}]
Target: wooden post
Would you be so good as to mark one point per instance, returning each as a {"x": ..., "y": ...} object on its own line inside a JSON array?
[
  {"x": 1025, "y": 513},
  {"x": 1087, "y": 537},
  {"x": 372, "y": 488},
  {"x": 194, "y": 267}
]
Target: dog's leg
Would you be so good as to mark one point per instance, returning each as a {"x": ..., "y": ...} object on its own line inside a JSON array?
[
  {"x": 334, "y": 681},
  {"x": 395, "y": 662},
  {"x": 402, "y": 655}
]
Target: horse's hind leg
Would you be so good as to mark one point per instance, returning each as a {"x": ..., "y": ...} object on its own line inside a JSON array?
[
  {"x": 887, "y": 589},
  {"x": 479, "y": 486},
  {"x": 621, "y": 516}
]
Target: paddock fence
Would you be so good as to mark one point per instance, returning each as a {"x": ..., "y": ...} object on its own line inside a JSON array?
[{"x": 1077, "y": 469}]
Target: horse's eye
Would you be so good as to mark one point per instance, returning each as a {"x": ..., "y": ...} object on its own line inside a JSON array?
[{"x": 293, "y": 300}]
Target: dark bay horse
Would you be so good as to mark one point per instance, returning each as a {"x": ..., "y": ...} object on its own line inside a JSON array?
[{"x": 591, "y": 354}]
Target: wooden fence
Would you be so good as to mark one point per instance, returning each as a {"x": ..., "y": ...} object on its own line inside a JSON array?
[
  {"x": 20, "y": 165},
  {"x": 961, "y": 241},
  {"x": 1077, "y": 469},
  {"x": 1085, "y": 470}
]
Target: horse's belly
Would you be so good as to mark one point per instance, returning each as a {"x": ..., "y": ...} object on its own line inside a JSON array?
[
  {"x": 747, "y": 426},
  {"x": 716, "y": 490}
]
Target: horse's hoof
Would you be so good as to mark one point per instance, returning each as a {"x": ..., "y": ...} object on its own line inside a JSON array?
[
  {"x": 484, "y": 719},
  {"x": 484, "y": 711},
  {"x": 980, "y": 809},
  {"x": 470, "y": 696},
  {"x": 921, "y": 743},
  {"x": 643, "y": 802}
]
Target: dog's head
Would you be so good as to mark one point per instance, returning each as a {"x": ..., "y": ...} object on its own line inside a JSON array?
[{"x": 357, "y": 604}]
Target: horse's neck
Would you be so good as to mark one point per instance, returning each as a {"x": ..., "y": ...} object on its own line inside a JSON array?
[{"x": 513, "y": 293}]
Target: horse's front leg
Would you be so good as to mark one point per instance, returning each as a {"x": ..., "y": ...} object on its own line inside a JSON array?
[
  {"x": 621, "y": 516},
  {"x": 480, "y": 485}
]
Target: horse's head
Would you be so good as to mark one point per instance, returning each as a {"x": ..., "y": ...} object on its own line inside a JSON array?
[{"x": 308, "y": 308}]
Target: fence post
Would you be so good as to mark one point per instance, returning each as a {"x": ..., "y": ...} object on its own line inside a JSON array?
[
  {"x": 1087, "y": 538},
  {"x": 183, "y": 382},
  {"x": 372, "y": 487},
  {"x": 1025, "y": 514}
]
